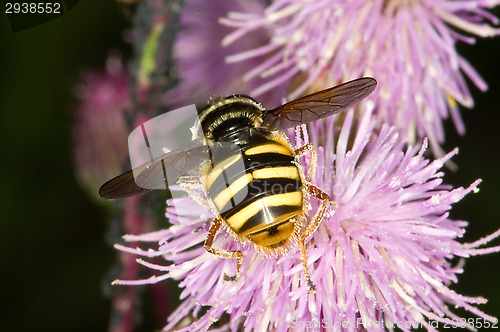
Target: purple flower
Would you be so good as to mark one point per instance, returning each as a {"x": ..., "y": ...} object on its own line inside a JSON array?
[
  {"x": 304, "y": 46},
  {"x": 100, "y": 133},
  {"x": 383, "y": 253},
  {"x": 201, "y": 59}
]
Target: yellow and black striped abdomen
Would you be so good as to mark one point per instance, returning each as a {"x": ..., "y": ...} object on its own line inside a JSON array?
[{"x": 256, "y": 187}]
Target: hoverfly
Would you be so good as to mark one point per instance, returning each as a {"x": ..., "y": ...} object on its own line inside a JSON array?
[{"x": 249, "y": 170}]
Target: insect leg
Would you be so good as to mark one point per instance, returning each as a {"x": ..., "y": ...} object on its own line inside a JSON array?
[
  {"x": 313, "y": 225},
  {"x": 189, "y": 184},
  {"x": 221, "y": 253},
  {"x": 302, "y": 151}
]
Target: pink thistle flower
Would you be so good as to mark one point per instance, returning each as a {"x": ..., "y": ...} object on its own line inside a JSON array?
[
  {"x": 382, "y": 255},
  {"x": 200, "y": 59},
  {"x": 408, "y": 46},
  {"x": 100, "y": 151},
  {"x": 100, "y": 133}
]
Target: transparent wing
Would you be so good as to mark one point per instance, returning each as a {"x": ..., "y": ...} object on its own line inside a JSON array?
[
  {"x": 319, "y": 105},
  {"x": 157, "y": 174}
]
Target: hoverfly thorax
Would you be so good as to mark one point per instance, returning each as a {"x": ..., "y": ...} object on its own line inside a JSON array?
[{"x": 230, "y": 115}]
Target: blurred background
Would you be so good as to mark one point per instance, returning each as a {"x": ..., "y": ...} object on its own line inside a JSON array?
[{"x": 55, "y": 260}]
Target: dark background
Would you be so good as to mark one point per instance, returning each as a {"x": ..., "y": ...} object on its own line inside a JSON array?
[{"x": 53, "y": 254}]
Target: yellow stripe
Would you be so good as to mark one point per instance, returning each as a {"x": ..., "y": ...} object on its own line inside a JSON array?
[
  {"x": 237, "y": 220},
  {"x": 266, "y": 240},
  {"x": 269, "y": 148},
  {"x": 220, "y": 167},
  {"x": 225, "y": 196},
  {"x": 289, "y": 172},
  {"x": 251, "y": 232}
]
